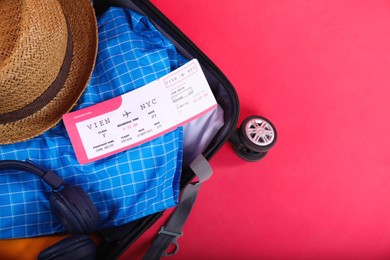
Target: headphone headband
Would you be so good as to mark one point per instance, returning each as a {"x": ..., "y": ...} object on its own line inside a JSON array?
[
  {"x": 74, "y": 209},
  {"x": 52, "y": 179}
]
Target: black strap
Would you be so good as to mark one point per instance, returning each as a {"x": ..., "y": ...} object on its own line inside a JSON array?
[{"x": 169, "y": 233}]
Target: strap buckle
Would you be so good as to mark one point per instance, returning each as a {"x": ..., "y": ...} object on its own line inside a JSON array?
[{"x": 175, "y": 236}]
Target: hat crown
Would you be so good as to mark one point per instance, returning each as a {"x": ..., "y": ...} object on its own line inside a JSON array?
[{"x": 33, "y": 42}]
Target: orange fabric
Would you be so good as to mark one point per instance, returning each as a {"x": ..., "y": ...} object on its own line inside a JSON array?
[{"x": 29, "y": 248}]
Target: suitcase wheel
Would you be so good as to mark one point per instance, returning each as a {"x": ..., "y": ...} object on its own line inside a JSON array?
[{"x": 255, "y": 137}]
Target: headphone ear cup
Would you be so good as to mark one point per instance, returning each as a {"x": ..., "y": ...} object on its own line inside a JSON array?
[
  {"x": 74, "y": 247},
  {"x": 75, "y": 210}
]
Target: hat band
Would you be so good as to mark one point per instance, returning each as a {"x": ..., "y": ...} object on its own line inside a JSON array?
[{"x": 49, "y": 93}]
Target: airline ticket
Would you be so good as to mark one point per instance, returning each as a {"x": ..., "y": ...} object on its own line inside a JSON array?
[{"x": 138, "y": 116}]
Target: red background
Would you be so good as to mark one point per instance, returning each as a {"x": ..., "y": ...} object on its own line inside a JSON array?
[{"x": 319, "y": 70}]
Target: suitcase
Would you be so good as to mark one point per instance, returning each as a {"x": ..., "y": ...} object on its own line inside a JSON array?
[
  {"x": 117, "y": 240},
  {"x": 246, "y": 148},
  {"x": 245, "y": 140}
]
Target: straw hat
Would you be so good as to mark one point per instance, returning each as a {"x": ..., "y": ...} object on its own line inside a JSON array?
[{"x": 47, "y": 53}]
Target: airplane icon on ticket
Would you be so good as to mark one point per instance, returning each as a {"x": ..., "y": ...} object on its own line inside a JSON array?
[{"x": 126, "y": 114}]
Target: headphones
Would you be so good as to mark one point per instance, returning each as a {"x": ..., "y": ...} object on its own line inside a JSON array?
[{"x": 73, "y": 207}]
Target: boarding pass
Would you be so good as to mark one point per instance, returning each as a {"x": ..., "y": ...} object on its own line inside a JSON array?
[{"x": 138, "y": 116}]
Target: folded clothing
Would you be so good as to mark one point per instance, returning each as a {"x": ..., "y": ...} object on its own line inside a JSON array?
[{"x": 124, "y": 187}]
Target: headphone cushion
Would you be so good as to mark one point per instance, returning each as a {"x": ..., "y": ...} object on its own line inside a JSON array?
[
  {"x": 75, "y": 210},
  {"x": 73, "y": 247}
]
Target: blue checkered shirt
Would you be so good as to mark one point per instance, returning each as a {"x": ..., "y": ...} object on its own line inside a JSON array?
[{"x": 125, "y": 186}]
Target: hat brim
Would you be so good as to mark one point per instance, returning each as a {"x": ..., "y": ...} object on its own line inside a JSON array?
[{"x": 82, "y": 23}]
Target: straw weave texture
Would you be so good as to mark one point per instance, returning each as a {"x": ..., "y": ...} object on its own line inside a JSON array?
[
  {"x": 35, "y": 45},
  {"x": 33, "y": 41}
]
